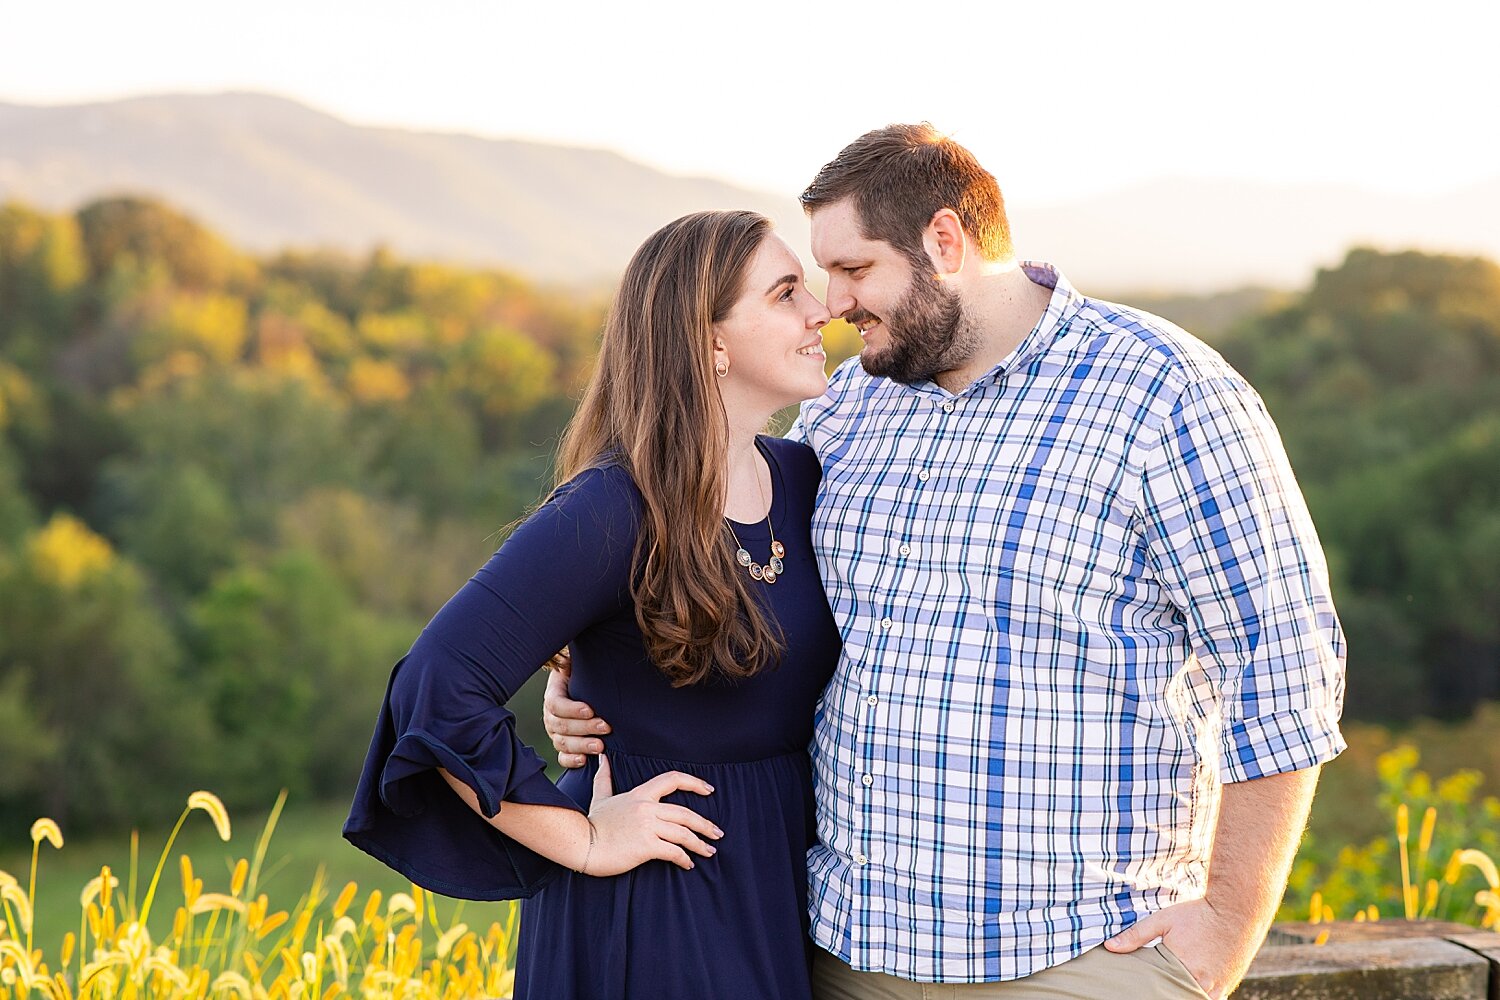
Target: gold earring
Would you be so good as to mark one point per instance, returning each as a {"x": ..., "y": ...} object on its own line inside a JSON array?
[{"x": 721, "y": 369}]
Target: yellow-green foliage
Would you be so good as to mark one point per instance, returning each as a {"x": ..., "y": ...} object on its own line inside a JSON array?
[
  {"x": 66, "y": 553},
  {"x": 1436, "y": 864},
  {"x": 237, "y": 943}
]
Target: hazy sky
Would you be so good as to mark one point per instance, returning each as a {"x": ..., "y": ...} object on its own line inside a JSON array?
[{"x": 1059, "y": 98}]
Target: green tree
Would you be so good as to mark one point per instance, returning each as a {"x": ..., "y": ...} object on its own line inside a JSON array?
[
  {"x": 18, "y": 401},
  {"x": 501, "y": 374},
  {"x": 1385, "y": 381},
  {"x": 87, "y": 658},
  {"x": 211, "y": 326},
  {"x": 293, "y": 672},
  {"x": 177, "y": 521},
  {"x": 428, "y": 452},
  {"x": 368, "y": 544},
  {"x": 42, "y": 268},
  {"x": 17, "y": 516},
  {"x": 117, "y": 229},
  {"x": 26, "y": 744},
  {"x": 262, "y": 438}
]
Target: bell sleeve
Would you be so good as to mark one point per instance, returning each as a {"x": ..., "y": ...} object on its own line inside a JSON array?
[{"x": 564, "y": 569}]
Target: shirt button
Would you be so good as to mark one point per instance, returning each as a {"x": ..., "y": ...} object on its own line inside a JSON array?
[
  {"x": 860, "y": 859},
  {"x": 924, "y": 475},
  {"x": 868, "y": 779},
  {"x": 905, "y": 550},
  {"x": 886, "y": 623},
  {"x": 948, "y": 406},
  {"x": 871, "y": 700}
]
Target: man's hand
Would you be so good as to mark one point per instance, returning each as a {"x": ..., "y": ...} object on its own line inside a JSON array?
[
  {"x": 1216, "y": 948},
  {"x": 1260, "y": 823},
  {"x": 571, "y": 724}
]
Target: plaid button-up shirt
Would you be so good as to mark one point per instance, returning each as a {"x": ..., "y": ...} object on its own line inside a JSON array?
[{"x": 1074, "y": 598}]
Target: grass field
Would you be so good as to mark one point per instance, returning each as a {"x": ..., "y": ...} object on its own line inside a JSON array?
[{"x": 306, "y": 838}]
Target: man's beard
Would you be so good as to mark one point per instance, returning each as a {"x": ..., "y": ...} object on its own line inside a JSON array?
[{"x": 927, "y": 333}]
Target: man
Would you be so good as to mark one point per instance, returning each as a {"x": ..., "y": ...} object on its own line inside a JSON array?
[{"x": 1090, "y": 663}]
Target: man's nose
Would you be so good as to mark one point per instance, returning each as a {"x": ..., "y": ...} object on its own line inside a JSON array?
[{"x": 840, "y": 302}]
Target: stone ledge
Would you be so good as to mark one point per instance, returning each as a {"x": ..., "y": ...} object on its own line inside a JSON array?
[
  {"x": 1301, "y": 932},
  {"x": 1390, "y": 969},
  {"x": 1486, "y": 945},
  {"x": 1380, "y": 960}
]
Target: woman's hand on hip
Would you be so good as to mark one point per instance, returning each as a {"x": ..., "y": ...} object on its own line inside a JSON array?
[{"x": 636, "y": 826}]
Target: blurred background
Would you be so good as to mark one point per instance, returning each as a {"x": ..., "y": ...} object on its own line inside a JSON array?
[{"x": 295, "y": 300}]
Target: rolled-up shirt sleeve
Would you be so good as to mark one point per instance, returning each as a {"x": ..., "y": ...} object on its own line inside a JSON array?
[{"x": 1229, "y": 536}]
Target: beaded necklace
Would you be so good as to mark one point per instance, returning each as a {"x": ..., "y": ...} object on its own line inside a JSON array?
[{"x": 773, "y": 567}]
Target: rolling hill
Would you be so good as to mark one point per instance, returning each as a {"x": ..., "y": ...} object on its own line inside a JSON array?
[{"x": 270, "y": 172}]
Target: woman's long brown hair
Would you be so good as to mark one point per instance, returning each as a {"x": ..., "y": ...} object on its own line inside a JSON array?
[{"x": 652, "y": 405}]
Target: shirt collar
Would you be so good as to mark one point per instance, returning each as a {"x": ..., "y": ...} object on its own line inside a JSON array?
[{"x": 1061, "y": 308}]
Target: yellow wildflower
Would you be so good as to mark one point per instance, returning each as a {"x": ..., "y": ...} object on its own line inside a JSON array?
[
  {"x": 450, "y": 937},
  {"x": 46, "y": 829},
  {"x": 1482, "y": 861},
  {"x": 210, "y": 901},
  {"x": 94, "y": 888},
  {"x": 341, "y": 905},
  {"x": 13, "y": 895},
  {"x": 209, "y": 803}
]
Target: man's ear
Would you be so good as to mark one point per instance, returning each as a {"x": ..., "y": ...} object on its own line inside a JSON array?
[{"x": 945, "y": 242}]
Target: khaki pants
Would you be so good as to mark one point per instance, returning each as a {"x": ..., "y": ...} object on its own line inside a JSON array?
[{"x": 1146, "y": 974}]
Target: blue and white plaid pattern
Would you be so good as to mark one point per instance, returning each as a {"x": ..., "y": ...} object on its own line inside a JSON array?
[{"x": 1074, "y": 599}]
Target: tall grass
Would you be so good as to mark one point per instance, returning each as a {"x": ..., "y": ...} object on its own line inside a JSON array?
[
  {"x": 237, "y": 942},
  {"x": 1442, "y": 870}
]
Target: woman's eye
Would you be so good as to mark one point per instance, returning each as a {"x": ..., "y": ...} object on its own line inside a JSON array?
[{"x": 786, "y": 296}]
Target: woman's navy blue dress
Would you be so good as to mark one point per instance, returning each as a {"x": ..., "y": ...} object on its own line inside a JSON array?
[{"x": 733, "y": 927}]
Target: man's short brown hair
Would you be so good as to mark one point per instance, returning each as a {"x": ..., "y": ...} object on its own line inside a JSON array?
[{"x": 900, "y": 176}]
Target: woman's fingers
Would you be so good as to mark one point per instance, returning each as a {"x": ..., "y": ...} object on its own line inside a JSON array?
[
  {"x": 673, "y": 833},
  {"x": 683, "y": 816},
  {"x": 674, "y": 781},
  {"x": 638, "y": 821},
  {"x": 604, "y": 785},
  {"x": 676, "y": 855}
]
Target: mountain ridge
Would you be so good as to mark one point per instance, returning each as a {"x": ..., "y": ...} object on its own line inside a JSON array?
[{"x": 272, "y": 173}]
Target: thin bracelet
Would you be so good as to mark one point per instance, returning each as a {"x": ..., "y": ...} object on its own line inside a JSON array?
[{"x": 593, "y": 836}]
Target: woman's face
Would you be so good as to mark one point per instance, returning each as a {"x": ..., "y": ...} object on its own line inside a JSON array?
[{"x": 770, "y": 340}]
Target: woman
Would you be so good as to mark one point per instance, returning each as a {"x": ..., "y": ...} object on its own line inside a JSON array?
[{"x": 675, "y": 557}]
